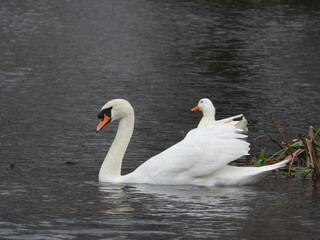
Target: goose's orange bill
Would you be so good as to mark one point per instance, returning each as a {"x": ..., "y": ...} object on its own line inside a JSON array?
[{"x": 195, "y": 109}]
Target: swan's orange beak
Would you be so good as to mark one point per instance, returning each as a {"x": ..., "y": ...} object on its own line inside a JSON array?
[
  {"x": 195, "y": 109},
  {"x": 103, "y": 122}
]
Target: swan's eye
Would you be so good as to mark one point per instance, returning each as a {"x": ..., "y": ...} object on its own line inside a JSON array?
[
  {"x": 100, "y": 115},
  {"x": 106, "y": 111}
]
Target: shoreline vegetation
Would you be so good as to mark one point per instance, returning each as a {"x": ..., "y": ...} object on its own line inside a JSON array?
[{"x": 303, "y": 153}]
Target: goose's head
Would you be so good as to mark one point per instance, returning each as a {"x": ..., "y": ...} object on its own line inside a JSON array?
[
  {"x": 114, "y": 110},
  {"x": 204, "y": 105}
]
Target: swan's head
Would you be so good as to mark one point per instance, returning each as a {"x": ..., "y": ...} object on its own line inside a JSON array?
[
  {"x": 113, "y": 110},
  {"x": 204, "y": 105}
]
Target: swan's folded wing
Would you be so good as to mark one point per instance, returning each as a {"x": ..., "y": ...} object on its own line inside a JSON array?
[{"x": 200, "y": 153}]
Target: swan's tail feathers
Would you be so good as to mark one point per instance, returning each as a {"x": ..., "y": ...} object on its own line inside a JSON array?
[
  {"x": 284, "y": 162},
  {"x": 276, "y": 165},
  {"x": 264, "y": 171}
]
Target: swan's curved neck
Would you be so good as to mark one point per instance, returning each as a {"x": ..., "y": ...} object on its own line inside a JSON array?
[{"x": 111, "y": 166}]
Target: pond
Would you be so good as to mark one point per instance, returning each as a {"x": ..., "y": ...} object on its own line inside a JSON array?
[{"x": 61, "y": 61}]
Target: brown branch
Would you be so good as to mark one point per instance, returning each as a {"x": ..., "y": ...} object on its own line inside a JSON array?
[
  {"x": 311, "y": 149},
  {"x": 311, "y": 132},
  {"x": 292, "y": 157},
  {"x": 282, "y": 135},
  {"x": 253, "y": 140},
  {"x": 279, "y": 130},
  {"x": 314, "y": 159}
]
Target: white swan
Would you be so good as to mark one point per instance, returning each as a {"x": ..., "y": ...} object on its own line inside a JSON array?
[
  {"x": 199, "y": 159},
  {"x": 209, "y": 112}
]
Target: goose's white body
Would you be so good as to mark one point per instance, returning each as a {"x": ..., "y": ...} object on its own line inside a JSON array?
[
  {"x": 209, "y": 112},
  {"x": 201, "y": 158}
]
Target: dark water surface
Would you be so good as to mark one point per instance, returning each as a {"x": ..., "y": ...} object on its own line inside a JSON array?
[{"x": 60, "y": 61}]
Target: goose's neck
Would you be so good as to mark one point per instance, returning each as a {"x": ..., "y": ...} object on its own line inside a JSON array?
[
  {"x": 209, "y": 116},
  {"x": 111, "y": 166},
  {"x": 209, "y": 113}
]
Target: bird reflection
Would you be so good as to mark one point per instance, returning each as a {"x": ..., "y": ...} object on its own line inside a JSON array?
[
  {"x": 115, "y": 199},
  {"x": 142, "y": 199}
]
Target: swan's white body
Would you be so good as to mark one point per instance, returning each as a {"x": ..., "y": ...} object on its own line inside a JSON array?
[
  {"x": 201, "y": 158},
  {"x": 209, "y": 116}
]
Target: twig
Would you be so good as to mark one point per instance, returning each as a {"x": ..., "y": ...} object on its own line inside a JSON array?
[
  {"x": 312, "y": 151},
  {"x": 282, "y": 135},
  {"x": 314, "y": 159},
  {"x": 268, "y": 137},
  {"x": 292, "y": 157}
]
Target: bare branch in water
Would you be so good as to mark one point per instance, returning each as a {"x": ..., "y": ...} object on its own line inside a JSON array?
[
  {"x": 267, "y": 137},
  {"x": 303, "y": 153}
]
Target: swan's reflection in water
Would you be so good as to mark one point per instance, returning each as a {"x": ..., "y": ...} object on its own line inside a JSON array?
[
  {"x": 193, "y": 210},
  {"x": 115, "y": 199}
]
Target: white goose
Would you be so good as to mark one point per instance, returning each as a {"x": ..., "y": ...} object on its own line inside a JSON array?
[
  {"x": 199, "y": 159},
  {"x": 209, "y": 116}
]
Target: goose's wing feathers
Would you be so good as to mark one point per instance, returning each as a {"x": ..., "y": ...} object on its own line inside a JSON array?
[
  {"x": 229, "y": 119},
  {"x": 241, "y": 125},
  {"x": 201, "y": 152}
]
